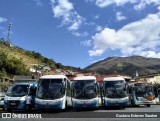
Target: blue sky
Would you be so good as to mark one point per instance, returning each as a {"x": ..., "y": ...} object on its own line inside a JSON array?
[{"x": 80, "y": 32}]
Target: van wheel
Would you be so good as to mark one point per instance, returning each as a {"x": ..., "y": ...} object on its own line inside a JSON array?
[
  {"x": 9, "y": 110},
  {"x": 148, "y": 105}
]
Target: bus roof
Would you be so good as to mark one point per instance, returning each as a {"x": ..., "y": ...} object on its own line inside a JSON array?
[
  {"x": 53, "y": 77},
  {"x": 85, "y": 78},
  {"x": 113, "y": 79}
]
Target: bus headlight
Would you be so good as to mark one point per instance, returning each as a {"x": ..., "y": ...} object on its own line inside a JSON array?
[{"x": 150, "y": 98}]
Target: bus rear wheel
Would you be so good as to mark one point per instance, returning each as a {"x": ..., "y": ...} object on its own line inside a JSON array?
[
  {"x": 66, "y": 105},
  {"x": 123, "y": 107}
]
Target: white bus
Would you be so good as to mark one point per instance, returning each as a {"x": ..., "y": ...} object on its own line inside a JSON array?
[
  {"x": 51, "y": 92},
  {"x": 142, "y": 94},
  {"x": 85, "y": 92},
  {"x": 115, "y": 92}
]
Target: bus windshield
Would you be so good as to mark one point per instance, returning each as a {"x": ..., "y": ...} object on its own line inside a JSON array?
[
  {"x": 143, "y": 89},
  {"x": 85, "y": 89},
  {"x": 50, "y": 89},
  {"x": 17, "y": 90},
  {"x": 115, "y": 89}
]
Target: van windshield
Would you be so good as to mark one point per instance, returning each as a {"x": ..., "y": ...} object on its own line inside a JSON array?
[{"x": 17, "y": 90}]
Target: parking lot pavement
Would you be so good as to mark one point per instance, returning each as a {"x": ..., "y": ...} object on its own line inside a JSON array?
[{"x": 83, "y": 113}]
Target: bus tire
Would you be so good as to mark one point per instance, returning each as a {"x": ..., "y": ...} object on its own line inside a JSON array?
[
  {"x": 66, "y": 105},
  {"x": 123, "y": 107},
  {"x": 132, "y": 103},
  {"x": 148, "y": 105}
]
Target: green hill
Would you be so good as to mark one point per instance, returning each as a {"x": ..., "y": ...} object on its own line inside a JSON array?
[{"x": 16, "y": 61}]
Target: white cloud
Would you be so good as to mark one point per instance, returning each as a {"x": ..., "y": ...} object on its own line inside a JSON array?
[
  {"x": 99, "y": 28},
  {"x": 97, "y": 52},
  {"x": 89, "y": 0},
  {"x": 105, "y": 3},
  {"x": 119, "y": 16},
  {"x": 138, "y": 4},
  {"x": 2, "y": 20},
  {"x": 143, "y": 3},
  {"x": 75, "y": 25},
  {"x": 87, "y": 43},
  {"x": 152, "y": 54},
  {"x": 65, "y": 10},
  {"x": 78, "y": 34},
  {"x": 38, "y": 2},
  {"x": 137, "y": 38}
]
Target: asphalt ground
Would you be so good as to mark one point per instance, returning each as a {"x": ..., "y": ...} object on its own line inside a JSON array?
[{"x": 102, "y": 114}]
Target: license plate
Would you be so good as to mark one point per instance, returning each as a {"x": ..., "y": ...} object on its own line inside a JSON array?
[{"x": 13, "y": 103}]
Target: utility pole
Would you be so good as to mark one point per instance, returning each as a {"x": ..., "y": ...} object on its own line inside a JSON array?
[{"x": 8, "y": 35}]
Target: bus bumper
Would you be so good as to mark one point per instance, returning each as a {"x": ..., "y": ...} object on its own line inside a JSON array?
[
  {"x": 48, "y": 106},
  {"x": 116, "y": 102},
  {"x": 85, "y": 104},
  {"x": 145, "y": 102}
]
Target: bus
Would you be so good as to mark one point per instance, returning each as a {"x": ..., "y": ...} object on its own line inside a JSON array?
[
  {"x": 51, "y": 92},
  {"x": 142, "y": 94},
  {"x": 85, "y": 91},
  {"x": 158, "y": 94},
  {"x": 114, "y": 92},
  {"x": 15, "y": 97}
]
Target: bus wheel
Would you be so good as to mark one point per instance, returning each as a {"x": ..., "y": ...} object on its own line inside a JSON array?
[
  {"x": 66, "y": 105},
  {"x": 123, "y": 107},
  {"x": 148, "y": 105},
  {"x": 132, "y": 103}
]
